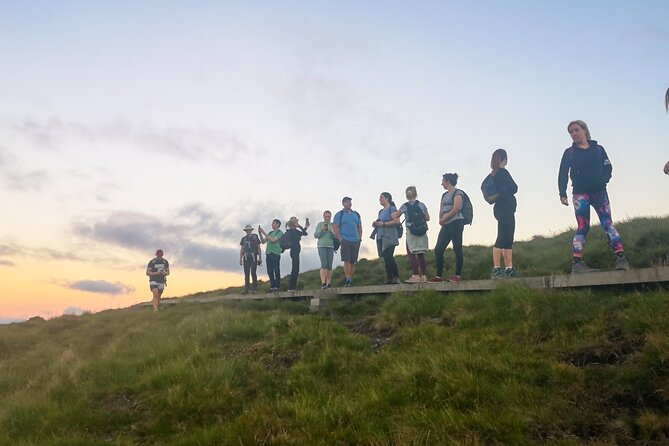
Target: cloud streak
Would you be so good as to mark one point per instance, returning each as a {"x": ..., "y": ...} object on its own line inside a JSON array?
[
  {"x": 100, "y": 287},
  {"x": 193, "y": 144}
]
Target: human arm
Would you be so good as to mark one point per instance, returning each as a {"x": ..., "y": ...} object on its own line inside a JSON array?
[
  {"x": 607, "y": 168},
  {"x": 504, "y": 183},
  {"x": 563, "y": 177},
  {"x": 319, "y": 232},
  {"x": 666, "y": 168},
  {"x": 262, "y": 234}
]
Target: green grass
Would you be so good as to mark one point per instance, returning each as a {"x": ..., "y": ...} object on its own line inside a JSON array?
[{"x": 512, "y": 366}]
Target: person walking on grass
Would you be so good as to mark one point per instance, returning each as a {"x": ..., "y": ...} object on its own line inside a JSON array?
[
  {"x": 452, "y": 226},
  {"x": 250, "y": 256},
  {"x": 347, "y": 227},
  {"x": 295, "y": 231},
  {"x": 158, "y": 269},
  {"x": 385, "y": 229},
  {"x": 416, "y": 218},
  {"x": 325, "y": 236},
  {"x": 504, "y": 211},
  {"x": 589, "y": 168},
  {"x": 273, "y": 253}
]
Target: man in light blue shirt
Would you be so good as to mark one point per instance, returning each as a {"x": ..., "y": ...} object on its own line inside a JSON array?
[{"x": 347, "y": 227}]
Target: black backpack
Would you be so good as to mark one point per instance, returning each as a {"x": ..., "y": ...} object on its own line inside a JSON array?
[
  {"x": 416, "y": 219},
  {"x": 489, "y": 190},
  {"x": 285, "y": 242},
  {"x": 467, "y": 208}
]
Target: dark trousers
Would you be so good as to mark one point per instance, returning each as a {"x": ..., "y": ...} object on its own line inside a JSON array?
[
  {"x": 250, "y": 267},
  {"x": 450, "y": 232},
  {"x": 295, "y": 271},
  {"x": 506, "y": 227},
  {"x": 388, "y": 260},
  {"x": 273, "y": 269}
]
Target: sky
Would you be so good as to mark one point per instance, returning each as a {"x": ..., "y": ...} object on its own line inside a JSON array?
[{"x": 131, "y": 126}]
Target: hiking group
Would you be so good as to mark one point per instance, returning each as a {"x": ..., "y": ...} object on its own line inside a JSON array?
[{"x": 585, "y": 163}]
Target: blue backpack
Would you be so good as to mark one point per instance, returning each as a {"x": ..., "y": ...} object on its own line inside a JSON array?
[{"x": 489, "y": 190}]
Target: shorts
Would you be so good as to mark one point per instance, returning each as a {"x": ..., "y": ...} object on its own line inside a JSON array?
[
  {"x": 326, "y": 255},
  {"x": 349, "y": 251},
  {"x": 160, "y": 286}
]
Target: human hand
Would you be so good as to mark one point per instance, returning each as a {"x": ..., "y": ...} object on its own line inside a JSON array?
[
  {"x": 259, "y": 262},
  {"x": 564, "y": 200},
  {"x": 666, "y": 168},
  {"x": 240, "y": 262}
]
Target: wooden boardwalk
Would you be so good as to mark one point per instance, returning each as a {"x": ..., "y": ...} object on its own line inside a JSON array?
[{"x": 644, "y": 276}]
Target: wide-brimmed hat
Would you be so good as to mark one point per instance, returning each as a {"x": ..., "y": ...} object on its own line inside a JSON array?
[{"x": 248, "y": 228}]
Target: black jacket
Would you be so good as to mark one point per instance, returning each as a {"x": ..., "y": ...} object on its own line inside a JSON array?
[
  {"x": 589, "y": 169},
  {"x": 507, "y": 188}
]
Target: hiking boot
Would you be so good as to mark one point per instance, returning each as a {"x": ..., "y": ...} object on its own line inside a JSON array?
[
  {"x": 436, "y": 279},
  {"x": 511, "y": 273},
  {"x": 621, "y": 263},
  {"x": 455, "y": 279},
  {"x": 497, "y": 273},
  {"x": 581, "y": 268},
  {"x": 413, "y": 279},
  {"x": 323, "y": 286}
]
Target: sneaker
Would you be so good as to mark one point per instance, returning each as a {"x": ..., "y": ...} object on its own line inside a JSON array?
[
  {"x": 349, "y": 283},
  {"x": 581, "y": 268},
  {"x": 423, "y": 279},
  {"x": 413, "y": 279},
  {"x": 289, "y": 290},
  {"x": 497, "y": 273},
  {"x": 323, "y": 286},
  {"x": 395, "y": 281},
  {"x": 455, "y": 279},
  {"x": 436, "y": 279},
  {"x": 511, "y": 273},
  {"x": 621, "y": 263},
  {"x": 329, "y": 285}
]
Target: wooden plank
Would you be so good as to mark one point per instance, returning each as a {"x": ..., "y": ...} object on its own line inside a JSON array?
[{"x": 653, "y": 275}]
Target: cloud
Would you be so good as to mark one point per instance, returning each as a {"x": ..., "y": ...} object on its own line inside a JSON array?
[
  {"x": 76, "y": 311},
  {"x": 194, "y": 144},
  {"x": 100, "y": 286},
  {"x": 10, "y": 320},
  {"x": 6, "y": 263},
  {"x": 8, "y": 249},
  {"x": 31, "y": 181}
]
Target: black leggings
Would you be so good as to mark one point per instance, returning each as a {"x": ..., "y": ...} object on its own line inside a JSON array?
[
  {"x": 450, "y": 232},
  {"x": 295, "y": 271},
  {"x": 506, "y": 227},
  {"x": 388, "y": 260}
]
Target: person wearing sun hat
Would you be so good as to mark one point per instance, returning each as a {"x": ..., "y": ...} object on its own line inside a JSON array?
[
  {"x": 158, "y": 269},
  {"x": 250, "y": 256}
]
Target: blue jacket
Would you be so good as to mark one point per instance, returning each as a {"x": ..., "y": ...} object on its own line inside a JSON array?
[{"x": 589, "y": 169}]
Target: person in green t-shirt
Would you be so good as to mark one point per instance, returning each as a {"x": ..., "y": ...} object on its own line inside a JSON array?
[
  {"x": 272, "y": 253},
  {"x": 325, "y": 236}
]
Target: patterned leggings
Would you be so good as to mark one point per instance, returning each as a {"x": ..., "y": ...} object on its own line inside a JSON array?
[{"x": 600, "y": 201}]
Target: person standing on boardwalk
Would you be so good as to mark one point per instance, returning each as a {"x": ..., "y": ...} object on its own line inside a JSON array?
[
  {"x": 452, "y": 226},
  {"x": 385, "y": 228},
  {"x": 348, "y": 230},
  {"x": 158, "y": 269},
  {"x": 589, "y": 168},
  {"x": 295, "y": 231},
  {"x": 325, "y": 236},
  {"x": 416, "y": 218},
  {"x": 250, "y": 257},
  {"x": 504, "y": 211},
  {"x": 273, "y": 253}
]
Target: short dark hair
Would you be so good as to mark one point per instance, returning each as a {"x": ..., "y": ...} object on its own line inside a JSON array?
[
  {"x": 451, "y": 178},
  {"x": 346, "y": 199},
  {"x": 277, "y": 221}
]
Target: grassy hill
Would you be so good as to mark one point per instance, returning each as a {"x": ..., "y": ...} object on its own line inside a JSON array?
[{"x": 513, "y": 366}]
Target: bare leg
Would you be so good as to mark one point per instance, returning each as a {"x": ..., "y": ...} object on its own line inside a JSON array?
[
  {"x": 496, "y": 257},
  {"x": 508, "y": 257},
  {"x": 156, "y": 299}
]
